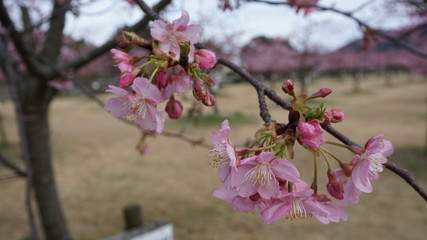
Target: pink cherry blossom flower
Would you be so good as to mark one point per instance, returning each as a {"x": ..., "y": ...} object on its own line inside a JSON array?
[
  {"x": 365, "y": 168},
  {"x": 377, "y": 150},
  {"x": 124, "y": 60},
  {"x": 311, "y": 133},
  {"x": 292, "y": 205},
  {"x": 335, "y": 212},
  {"x": 260, "y": 174},
  {"x": 139, "y": 106},
  {"x": 171, "y": 34},
  {"x": 224, "y": 155},
  {"x": 178, "y": 82},
  {"x": 205, "y": 58}
]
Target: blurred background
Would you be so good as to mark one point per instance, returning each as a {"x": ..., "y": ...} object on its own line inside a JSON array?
[{"x": 98, "y": 161}]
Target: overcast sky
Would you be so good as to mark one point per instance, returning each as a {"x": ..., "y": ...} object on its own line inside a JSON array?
[{"x": 100, "y": 19}]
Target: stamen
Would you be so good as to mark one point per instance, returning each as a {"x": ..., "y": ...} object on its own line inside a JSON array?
[
  {"x": 260, "y": 174},
  {"x": 297, "y": 211},
  {"x": 219, "y": 156}
]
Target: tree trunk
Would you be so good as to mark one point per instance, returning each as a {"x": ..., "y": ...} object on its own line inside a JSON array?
[{"x": 37, "y": 133}]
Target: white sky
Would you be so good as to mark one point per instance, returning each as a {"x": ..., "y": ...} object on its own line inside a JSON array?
[{"x": 100, "y": 19}]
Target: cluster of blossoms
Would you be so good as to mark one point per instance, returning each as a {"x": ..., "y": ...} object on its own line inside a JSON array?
[
  {"x": 169, "y": 66},
  {"x": 261, "y": 178}
]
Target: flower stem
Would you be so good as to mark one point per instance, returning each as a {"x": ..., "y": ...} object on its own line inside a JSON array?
[
  {"x": 326, "y": 159},
  {"x": 261, "y": 149},
  {"x": 314, "y": 184},
  {"x": 332, "y": 155}
]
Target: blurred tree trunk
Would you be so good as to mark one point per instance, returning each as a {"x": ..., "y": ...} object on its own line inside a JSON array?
[{"x": 37, "y": 133}]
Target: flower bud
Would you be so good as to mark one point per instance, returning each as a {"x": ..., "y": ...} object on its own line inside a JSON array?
[
  {"x": 199, "y": 89},
  {"x": 337, "y": 115},
  {"x": 209, "y": 80},
  {"x": 126, "y": 79},
  {"x": 162, "y": 79},
  {"x": 205, "y": 58},
  {"x": 323, "y": 92},
  {"x": 209, "y": 100},
  {"x": 288, "y": 87},
  {"x": 335, "y": 188},
  {"x": 174, "y": 108}
]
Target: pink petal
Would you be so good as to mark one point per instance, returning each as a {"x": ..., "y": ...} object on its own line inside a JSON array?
[
  {"x": 388, "y": 148},
  {"x": 192, "y": 33},
  {"x": 275, "y": 212},
  {"x": 360, "y": 176},
  {"x": 158, "y": 30},
  {"x": 117, "y": 90},
  {"x": 225, "y": 194},
  {"x": 116, "y": 106},
  {"x": 242, "y": 204},
  {"x": 182, "y": 21},
  {"x": 269, "y": 190},
  {"x": 372, "y": 140},
  {"x": 149, "y": 91},
  {"x": 223, "y": 172},
  {"x": 232, "y": 155},
  {"x": 265, "y": 157},
  {"x": 248, "y": 189},
  {"x": 285, "y": 170}
]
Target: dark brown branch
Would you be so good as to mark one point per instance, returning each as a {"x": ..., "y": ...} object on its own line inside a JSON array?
[
  {"x": 24, "y": 48},
  {"x": 6, "y": 162},
  {"x": 13, "y": 78},
  {"x": 285, "y": 105},
  {"x": 53, "y": 43},
  {"x": 257, "y": 84},
  {"x": 263, "y": 109}
]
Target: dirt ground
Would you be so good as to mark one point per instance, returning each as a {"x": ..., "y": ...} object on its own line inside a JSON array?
[{"x": 98, "y": 170}]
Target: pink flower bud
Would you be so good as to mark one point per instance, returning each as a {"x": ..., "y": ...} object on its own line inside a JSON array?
[
  {"x": 162, "y": 79},
  {"x": 337, "y": 115},
  {"x": 199, "y": 89},
  {"x": 209, "y": 100},
  {"x": 205, "y": 58},
  {"x": 334, "y": 187},
  {"x": 311, "y": 133},
  {"x": 174, "y": 108},
  {"x": 288, "y": 87},
  {"x": 323, "y": 92},
  {"x": 327, "y": 116},
  {"x": 126, "y": 79}
]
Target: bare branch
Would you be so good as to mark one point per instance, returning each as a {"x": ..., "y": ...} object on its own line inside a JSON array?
[
  {"x": 6, "y": 162},
  {"x": 263, "y": 110},
  {"x": 53, "y": 43}
]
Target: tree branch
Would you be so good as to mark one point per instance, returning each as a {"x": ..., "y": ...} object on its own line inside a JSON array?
[
  {"x": 285, "y": 105},
  {"x": 83, "y": 60},
  {"x": 263, "y": 109},
  {"x": 24, "y": 48},
  {"x": 6, "y": 162}
]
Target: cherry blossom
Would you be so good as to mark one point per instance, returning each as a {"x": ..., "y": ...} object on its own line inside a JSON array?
[
  {"x": 139, "y": 106},
  {"x": 224, "y": 155},
  {"x": 311, "y": 133},
  {"x": 170, "y": 35}
]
